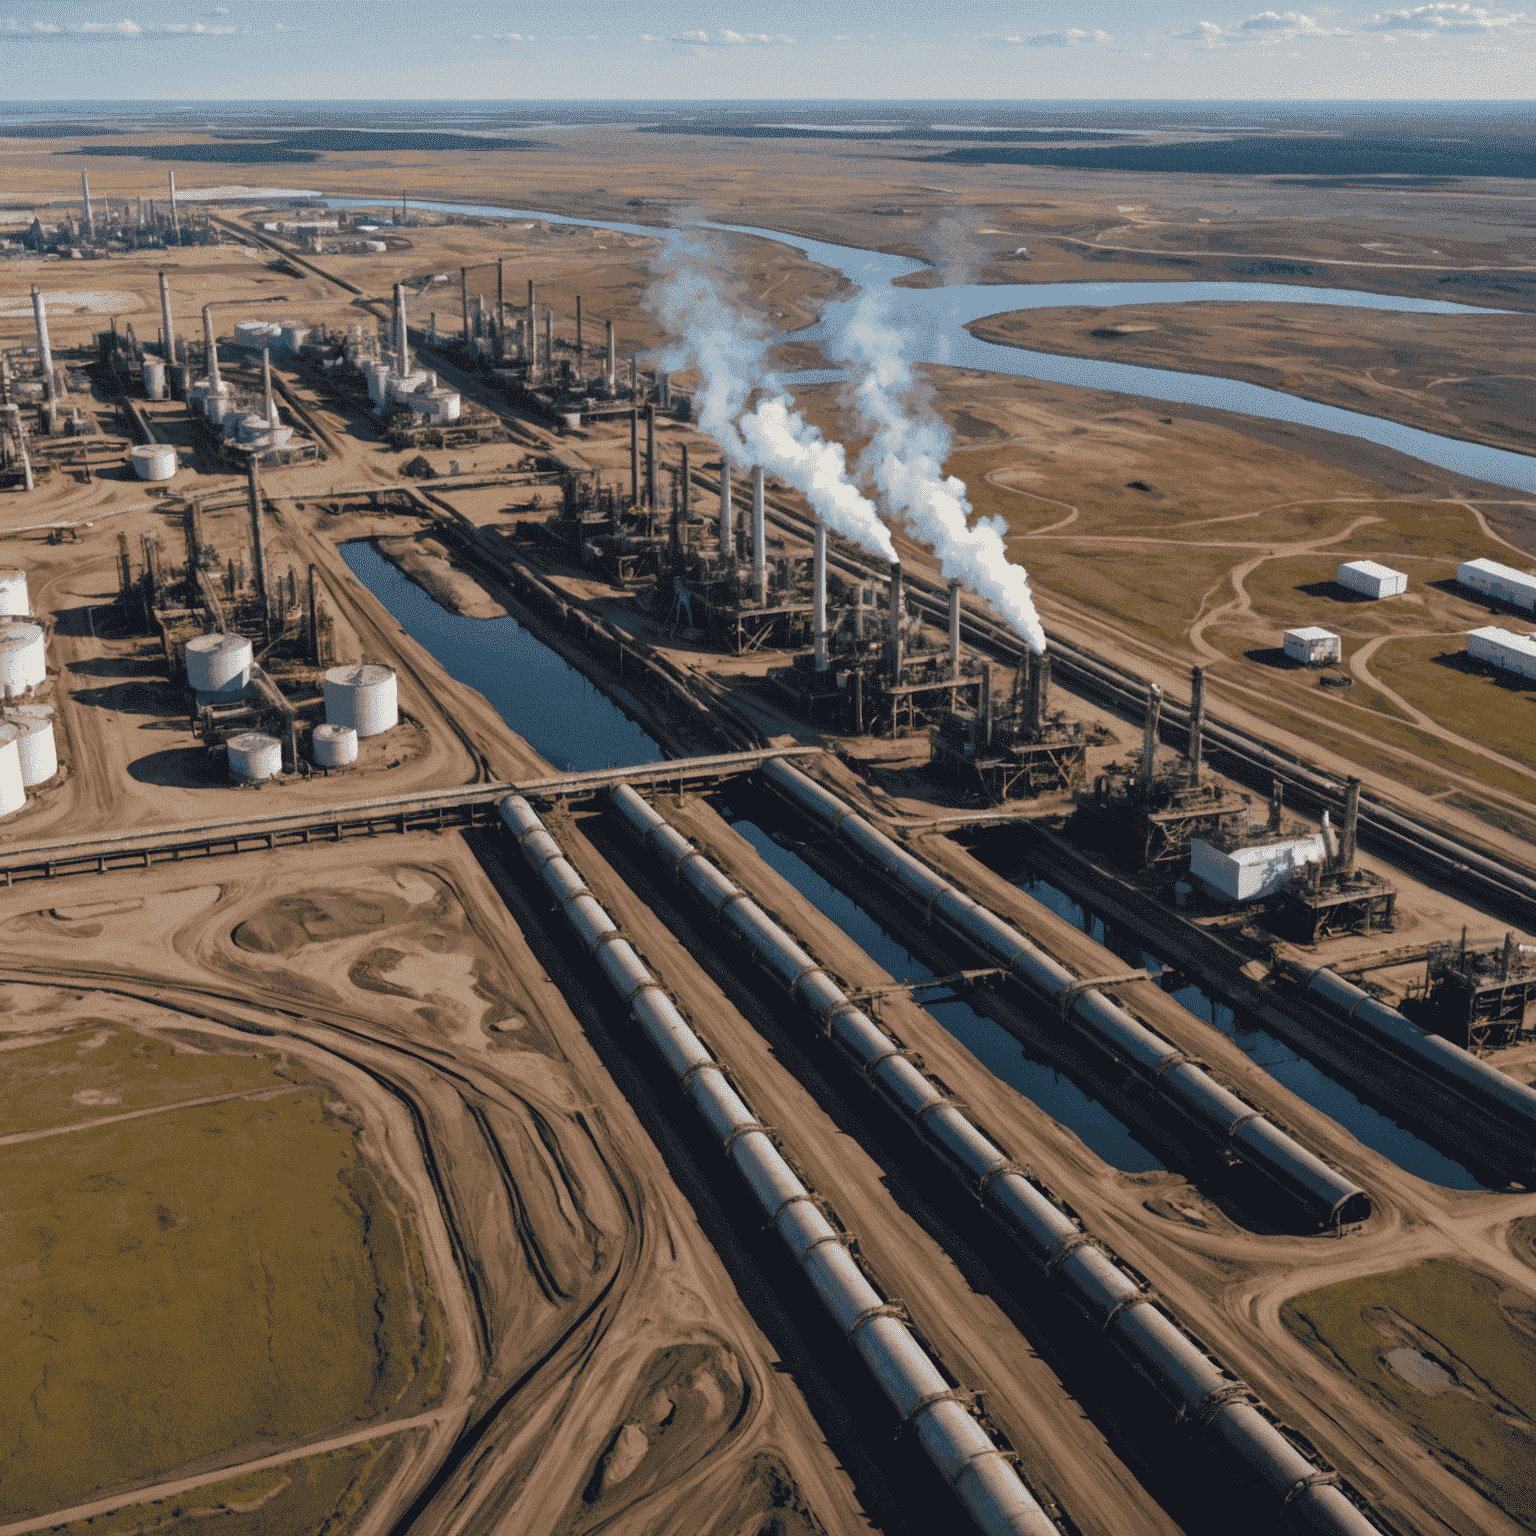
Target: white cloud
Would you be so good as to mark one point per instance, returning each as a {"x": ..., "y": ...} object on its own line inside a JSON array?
[
  {"x": 1206, "y": 33},
  {"x": 1063, "y": 39},
  {"x": 1446, "y": 19},
  {"x": 1289, "y": 24},
  {"x": 723, "y": 38},
  {"x": 124, "y": 28},
  {"x": 507, "y": 37}
]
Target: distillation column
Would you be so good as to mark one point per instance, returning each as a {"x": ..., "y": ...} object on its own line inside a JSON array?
[{"x": 727, "y": 533}]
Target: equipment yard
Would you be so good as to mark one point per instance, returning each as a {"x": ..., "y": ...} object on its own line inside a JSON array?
[{"x": 571, "y": 962}]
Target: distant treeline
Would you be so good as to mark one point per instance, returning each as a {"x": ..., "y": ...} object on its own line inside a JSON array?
[
  {"x": 57, "y": 131},
  {"x": 726, "y": 129},
  {"x": 301, "y": 148}
]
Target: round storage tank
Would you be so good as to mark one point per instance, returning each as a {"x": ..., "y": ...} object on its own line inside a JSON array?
[
  {"x": 362, "y": 696},
  {"x": 12, "y": 793},
  {"x": 13, "y": 593},
  {"x": 154, "y": 461},
  {"x": 254, "y": 756},
  {"x": 251, "y": 427},
  {"x": 34, "y": 746},
  {"x": 23, "y": 662},
  {"x": 219, "y": 664},
  {"x": 334, "y": 746},
  {"x": 154, "y": 379}
]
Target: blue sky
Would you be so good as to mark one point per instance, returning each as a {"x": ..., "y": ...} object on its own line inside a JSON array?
[{"x": 754, "y": 49}]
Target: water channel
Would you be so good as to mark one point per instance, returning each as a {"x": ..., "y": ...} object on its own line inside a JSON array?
[{"x": 935, "y": 320}]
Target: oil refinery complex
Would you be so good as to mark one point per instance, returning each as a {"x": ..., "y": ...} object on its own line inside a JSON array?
[{"x": 670, "y": 908}]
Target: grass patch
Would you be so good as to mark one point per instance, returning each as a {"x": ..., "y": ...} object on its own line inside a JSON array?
[
  {"x": 319, "y": 1496},
  {"x": 178, "y": 1286},
  {"x": 63, "y": 1079},
  {"x": 1468, "y": 1343}
]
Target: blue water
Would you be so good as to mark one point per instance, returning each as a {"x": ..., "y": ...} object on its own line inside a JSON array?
[
  {"x": 986, "y": 1039},
  {"x": 1304, "y": 1078},
  {"x": 935, "y": 319},
  {"x": 534, "y": 689}
]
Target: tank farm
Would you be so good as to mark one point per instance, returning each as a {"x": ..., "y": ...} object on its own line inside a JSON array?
[{"x": 820, "y": 1060}]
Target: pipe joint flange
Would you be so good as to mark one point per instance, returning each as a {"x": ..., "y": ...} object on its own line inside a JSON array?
[
  {"x": 1167, "y": 1064},
  {"x": 736, "y": 1132},
  {"x": 932, "y": 1399},
  {"x": 991, "y": 1175},
  {"x": 686, "y": 1080},
  {"x": 604, "y": 938},
  {"x": 1064, "y": 1247},
  {"x": 1067, "y": 999},
  {"x": 576, "y": 895},
  {"x": 804, "y": 1197},
  {"x": 869, "y": 1314},
  {"x": 869, "y": 1067},
  {"x": 944, "y": 1101},
  {"x": 808, "y": 970},
  {"x": 1207, "y": 1407},
  {"x": 842, "y": 1239},
  {"x": 1008, "y": 1458},
  {"x": 1241, "y": 1121},
  {"x": 737, "y": 894},
  {"x": 649, "y": 985},
  {"x": 1124, "y": 1305},
  {"x": 1306, "y": 1484}
]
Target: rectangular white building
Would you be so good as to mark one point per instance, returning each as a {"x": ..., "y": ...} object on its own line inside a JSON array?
[
  {"x": 1504, "y": 648},
  {"x": 1246, "y": 874},
  {"x": 1370, "y": 579},
  {"x": 1312, "y": 646},
  {"x": 1501, "y": 581}
]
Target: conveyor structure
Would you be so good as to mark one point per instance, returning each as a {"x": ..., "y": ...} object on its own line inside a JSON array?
[{"x": 1200, "y": 1390}]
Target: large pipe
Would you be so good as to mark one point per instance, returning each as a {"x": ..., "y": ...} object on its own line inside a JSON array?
[
  {"x": 1351, "y": 824},
  {"x": 727, "y": 533},
  {"x": 759, "y": 538},
  {"x": 211, "y": 346},
  {"x": 402, "y": 336},
  {"x": 1167, "y": 1071},
  {"x": 1196, "y": 723},
  {"x": 983, "y": 1479},
  {"x": 609, "y": 375},
  {"x": 269, "y": 404},
  {"x": 819, "y": 596},
  {"x": 650, "y": 457},
  {"x": 44, "y": 351},
  {"x": 90, "y": 218},
  {"x": 1149, "y": 724},
  {"x": 1202, "y": 1393},
  {"x": 165, "y": 322}
]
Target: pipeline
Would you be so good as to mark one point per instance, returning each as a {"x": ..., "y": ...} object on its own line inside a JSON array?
[
  {"x": 1200, "y": 1391},
  {"x": 1172, "y": 1076},
  {"x": 1482, "y": 1087},
  {"x": 981, "y": 1475}
]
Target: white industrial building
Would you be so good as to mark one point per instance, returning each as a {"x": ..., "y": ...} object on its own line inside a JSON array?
[
  {"x": 1311, "y": 646},
  {"x": 1246, "y": 874},
  {"x": 1504, "y": 649},
  {"x": 1501, "y": 581},
  {"x": 1370, "y": 579}
]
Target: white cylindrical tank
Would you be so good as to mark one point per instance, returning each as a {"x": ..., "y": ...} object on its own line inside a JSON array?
[
  {"x": 219, "y": 664},
  {"x": 378, "y": 381},
  {"x": 217, "y": 409},
  {"x": 23, "y": 662},
  {"x": 13, "y": 794},
  {"x": 35, "y": 745},
  {"x": 13, "y": 592},
  {"x": 154, "y": 378},
  {"x": 334, "y": 746},
  {"x": 362, "y": 696},
  {"x": 249, "y": 428},
  {"x": 154, "y": 461},
  {"x": 253, "y": 755}
]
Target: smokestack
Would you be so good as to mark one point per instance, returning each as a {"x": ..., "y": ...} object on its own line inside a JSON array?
[
  {"x": 1039, "y": 689},
  {"x": 482, "y": 323},
  {"x": 687, "y": 491},
  {"x": 664, "y": 389},
  {"x": 464, "y": 302},
  {"x": 314, "y": 621},
  {"x": 612, "y": 360},
  {"x": 501, "y": 305},
  {"x": 533, "y": 333},
  {"x": 819, "y": 596},
  {"x": 954, "y": 629},
  {"x": 44, "y": 351},
  {"x": 90, "y": 218},
  {"x": 581, "y": 355},
  {"x": 258, "y": 549},
  {"x": 175, "y": 220},
  {"x": 986, "y": 704},
  {"x": 634, "y": 455},
  {"x": 165, "y": 321},
  {"x": 650, "y": 455},
  {"x": 632, "y": 380},
  {"x": 402, "y": 336},
  {"x": 549, "y": 344},
  {"x": 211, "y": 346},
  {"x": 1149, "y": 732},
  {"x": 727, "y": 534},
  {"x": 1196, "y": 722},
  {"x": 1351, "y": 822},
  {"x": 266, "y": 387},
  {"x": 897, "y": 604},
  {"x": 1276, "y": 803},
  {"x": 759, "y": 538}
]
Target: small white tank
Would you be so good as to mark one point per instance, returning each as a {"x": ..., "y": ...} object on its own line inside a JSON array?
[
  {"x": 334, "y": 746},
  {"x": 35, "y": 745},
  {"x": 154, "y": 378},
  {"x": 377, "y": 375},
  {"x": 362, "y": 696},
  {"x": 219, "y": 664},
  {"x": 154, "y": 461},
  {"x": 13, "y": 794},
  {"x": 217, "y": 409},
  {"x": 13, "y": 592},
  {"x": 23, "y": 661},
  {"x": 254, "y": 756},
  {"x": 251, "y": 427}
]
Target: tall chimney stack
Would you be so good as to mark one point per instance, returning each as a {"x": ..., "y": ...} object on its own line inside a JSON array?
[
  {"x": 165, "y": 321},
  {"x": 501, "y": 306},
  {"x": 581, "y": 355},
  {"x": 897, "y": 604},
  {"x": 1351, "y": 824},
  {"x": 212, "y": 347},
  {"x": 634, "y": 455},
  {"x": 819, "y": 596},
  {"x": 1149, "y": 726},
  {"x": 402, "y": 335},
  {"x": 612, "y": 359},
  {"x": 175, "y": 218},
  {"x": 549, "y": 344},
  {"x": 727, "y": 534},
  {"x": 44, "y": 351},
  {"x": 650, "y": 456},
  {"x": 1276, "y": 803},
  {"x": 686, "y": 498},
  {"x": 258, "y": 544},
  {"x": 1196, "y": 723},
  {"x": 533, "y": 333},
  {"x": 90, "y": 218},
  {"x": 464, "y": 302},
  {"x": 954, "y": 630},
  {"x": 986, "y": 704},
  {"x": 1039, "y": 690},
  {"x": 759, "y": 538},
  {"x": 266, "y": 388}
]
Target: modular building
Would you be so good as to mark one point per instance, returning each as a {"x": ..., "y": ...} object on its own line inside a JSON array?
[
  {"x": 1311, "y": 646},
  {"x": 1246, "y": 874},
  {"x": 1370, "y": 579},
  {"x": 1504, "y": 649},
  {"x": 1504, "y": 582}
]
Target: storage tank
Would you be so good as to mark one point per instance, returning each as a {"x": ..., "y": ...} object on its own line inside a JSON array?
[
  {"x": 254, "y": 756},
  {"x": 35, "y": 745},
  {"x": 13, "y": 592},
  {"x": 154, "y": 379},
  {"x": 219, "y": 664},
  {"x": 154, "y": 461},
  {"x": 362, "y": 696},
  {"x": 23, "y": 662},
  {"x": 333, "y": 746},
  {"x": 13, "y": 794},
  {"x": 377, "y": 375}
]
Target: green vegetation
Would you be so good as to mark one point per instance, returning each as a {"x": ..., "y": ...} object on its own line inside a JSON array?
[
  {"x": 1468, "y": 1343},
  {"x": 317, "y": 1496},
  {"x": 83, "y": 1076},
  {"x": 179, "y": 1285}
]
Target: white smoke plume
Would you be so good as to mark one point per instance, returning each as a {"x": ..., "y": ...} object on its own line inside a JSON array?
[
  {"x": 729, "y": 347},
  {"x": 905, "y": 457}
]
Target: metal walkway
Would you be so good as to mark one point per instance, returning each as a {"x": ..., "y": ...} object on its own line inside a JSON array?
[{"x": 431, "y": 810}]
